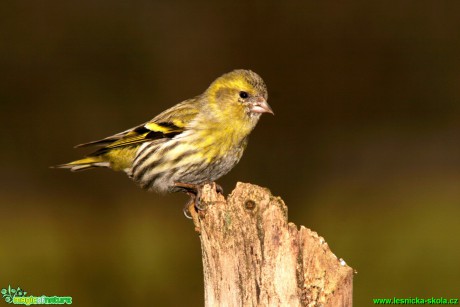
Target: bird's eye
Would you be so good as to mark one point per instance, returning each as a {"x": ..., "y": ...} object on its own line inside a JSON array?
[{"x": 244, "y": 95}]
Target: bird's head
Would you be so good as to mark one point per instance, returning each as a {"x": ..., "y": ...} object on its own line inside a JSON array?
[{"x": 238, "y": 97}]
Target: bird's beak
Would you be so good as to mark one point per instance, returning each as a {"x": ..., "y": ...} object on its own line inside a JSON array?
[{"x": 260, "y": 105}]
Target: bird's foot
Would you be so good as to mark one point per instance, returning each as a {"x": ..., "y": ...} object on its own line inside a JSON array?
[
  {"x": 191, "y": 212},
  {"x": 194, "y": 205},
  {"x": 195, "y": 190}
]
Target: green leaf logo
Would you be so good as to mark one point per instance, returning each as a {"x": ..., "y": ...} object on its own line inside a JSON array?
[{"x": 10, "y": 293}]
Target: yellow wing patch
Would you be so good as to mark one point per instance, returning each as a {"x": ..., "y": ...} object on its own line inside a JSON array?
[
  {"x": 148, "y": 132},
  {"x": 163, "y": 128}
]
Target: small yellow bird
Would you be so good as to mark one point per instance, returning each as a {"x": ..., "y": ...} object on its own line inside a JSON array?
[{"x": 195, "y": 142}]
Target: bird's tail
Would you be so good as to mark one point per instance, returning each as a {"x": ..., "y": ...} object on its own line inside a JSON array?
[{"x": 85, "y": 163}]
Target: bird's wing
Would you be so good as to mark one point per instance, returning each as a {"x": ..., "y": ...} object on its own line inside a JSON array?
[{"x": 166, "y": 125}]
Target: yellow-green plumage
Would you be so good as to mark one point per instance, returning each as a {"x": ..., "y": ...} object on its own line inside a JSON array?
[{"x": 196, "y": 141}]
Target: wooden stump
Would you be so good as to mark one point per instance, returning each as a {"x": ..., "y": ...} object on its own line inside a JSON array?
[{"x": 252, "y": 256}]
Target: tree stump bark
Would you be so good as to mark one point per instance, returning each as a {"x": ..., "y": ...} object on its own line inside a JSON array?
[{"x": 252, "y": 256}]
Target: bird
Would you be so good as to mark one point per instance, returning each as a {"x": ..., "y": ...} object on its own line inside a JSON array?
[{"x": 195, "y": 142}]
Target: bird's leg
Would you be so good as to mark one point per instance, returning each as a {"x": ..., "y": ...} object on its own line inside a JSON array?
[
  {"x": 195, "y": 187},
  {"x": 194, "y": 190},
  {"x": 188, "y": 187},
  {"x": 191, "y": 208}
]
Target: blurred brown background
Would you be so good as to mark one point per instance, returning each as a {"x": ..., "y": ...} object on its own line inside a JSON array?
[{"x": 364, "y": 147}]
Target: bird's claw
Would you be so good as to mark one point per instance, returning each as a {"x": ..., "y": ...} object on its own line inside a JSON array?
[
  {"x": 195, "y": 190},
  {"x": 186, "y": 211},
  {"x": 194, "y": 205}
]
